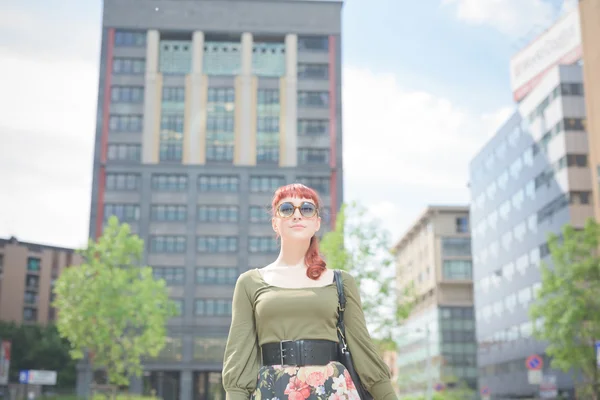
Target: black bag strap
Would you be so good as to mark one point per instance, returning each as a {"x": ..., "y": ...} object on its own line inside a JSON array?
[{"x": 337, "y": 277}]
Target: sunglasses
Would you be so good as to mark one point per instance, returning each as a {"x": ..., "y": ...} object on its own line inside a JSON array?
[{"x": 307, "y": 210}]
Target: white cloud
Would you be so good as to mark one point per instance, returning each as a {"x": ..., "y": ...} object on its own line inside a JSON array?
[
  {"x": 46, "y": 138},
  {"x": 512, "y": 17},
  {"x": 404, "y": 150}
]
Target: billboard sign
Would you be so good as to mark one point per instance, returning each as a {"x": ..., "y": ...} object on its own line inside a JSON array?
[
  {"x": 5, "y": 347},
  {"x": 561, "y": 44}
]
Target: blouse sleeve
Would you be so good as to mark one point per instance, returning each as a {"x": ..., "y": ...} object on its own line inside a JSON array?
[
  {"x": 241, "y": 361},
  {"x": 371, "y": 369}
]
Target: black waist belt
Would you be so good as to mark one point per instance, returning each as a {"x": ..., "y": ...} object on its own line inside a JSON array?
[{"x": 299, "y": 352}]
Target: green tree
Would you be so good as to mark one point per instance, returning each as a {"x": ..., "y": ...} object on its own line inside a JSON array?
[
  {"x": 112, "y": 307},
  {"x": 38, "y": 347},
  {"x": 567, "y": 306},
  {"x": 359, "y": 245}
]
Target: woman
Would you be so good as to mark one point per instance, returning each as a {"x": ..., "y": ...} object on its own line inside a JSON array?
[{"x": 282, "y": 341}]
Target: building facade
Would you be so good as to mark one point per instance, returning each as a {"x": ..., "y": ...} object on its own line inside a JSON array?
[
  {"x": 529, "y": 180},
  {"x": 436, "y": 344},
  {"x": 204, "y": 109},
  {"x": 589, "y": 11},
  {"x": 27, "y": 275}
]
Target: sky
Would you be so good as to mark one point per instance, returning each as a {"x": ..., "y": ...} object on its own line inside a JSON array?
[{"x": 425, "y": 85}]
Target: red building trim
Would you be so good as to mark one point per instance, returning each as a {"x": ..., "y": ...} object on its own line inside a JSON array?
[
  {"x": 333, "y": 127},
  {"x": 104, "y": 135}
]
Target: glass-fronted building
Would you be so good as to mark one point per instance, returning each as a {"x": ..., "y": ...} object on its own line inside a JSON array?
[
  {"x": 530, "y": 179},
  {"x": 436, "y": 344}
]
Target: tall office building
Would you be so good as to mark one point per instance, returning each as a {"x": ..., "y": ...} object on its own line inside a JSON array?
[
  {"x": 529, "y": 180},
  {"x": 27, "y": 275},
  {"x": 436, "y": 344},
  {"x": 589, "y": 10},
  {"x": 204, "y": 108}
]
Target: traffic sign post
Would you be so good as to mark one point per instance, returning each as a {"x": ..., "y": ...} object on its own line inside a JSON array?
[
  {"x": 485, "y": 393},
  {"x": 534, "y": 363}
]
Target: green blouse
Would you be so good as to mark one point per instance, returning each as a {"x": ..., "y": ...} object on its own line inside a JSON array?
[{"x": 263, "y": 313}]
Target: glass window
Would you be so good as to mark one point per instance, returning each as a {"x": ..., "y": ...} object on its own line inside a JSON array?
[
  {"x": 313, "y": 43},
  {"x": 217, "y": 244},
  {"x": 220, "y": 124},
  {"x": 218, "y": 183},
  {"x": 313, "y": 99},
  {"x": 320, "y": 184},
  {"x": 175, "y": 57},
  {"x": 268, "y": 59},
  {"x": 124, "y": 212},
  {"x": 503, "y": 180},
  {"x": 129, "y": 66},
  {"x": 125, "y": 123},
  {"x": 462, "y": 224},
  {"x": 265, "y": 184},
  {"x": 313, "y": 156},
  {"x": 491, "y": 190},
  {"x": 266, "y": 244},
  {"x": 171, "y": 275},
  {"x": 313, "y": 127},
  {"x": 456, "y": 247},
  {"x": 167, "y": 244},
  {"x": 518, "y": 198},
  {"x": 168, "y": 212},
  {"x": 457, "y": 270},
  {"x": 522, "y": 264},
  {"x": 218, "y": 213},
  {"x": 313, "y": 71},
  {"x": 169, "y": 182},
  {"x": 259, "y": 214},
  {"x": 127, "y": 94},
  {"x": 516, "y": 167},
  {"x": 124, "y": 152},
  {"x": 124, "y": 38},
  {"x": 222, "y": 58},
  {"x": 216, "y": 275},
  {"x": 33, "y": 264}
]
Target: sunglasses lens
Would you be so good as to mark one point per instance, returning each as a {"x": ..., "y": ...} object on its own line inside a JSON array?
[
  {"x": 286, "y": 209},
  {"x": 308, "y": 210}
]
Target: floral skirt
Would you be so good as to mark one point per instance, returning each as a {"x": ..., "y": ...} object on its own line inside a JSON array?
[{"x": 318, "y": 382}]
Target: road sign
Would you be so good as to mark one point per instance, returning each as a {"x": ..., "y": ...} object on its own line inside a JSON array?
[
  {"x": 534, "y": 362},
  {"x": 548, "y": 388},
  {"x": 485, "y": 391},
  {"x": 34, "y": 377},
  {"x": 534, "y": 376}
]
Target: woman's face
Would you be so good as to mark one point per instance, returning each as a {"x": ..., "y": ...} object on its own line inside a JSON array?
[{"x": 296, "y": 219}]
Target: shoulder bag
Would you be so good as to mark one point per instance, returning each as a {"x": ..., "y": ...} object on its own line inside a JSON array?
[{"x": 343, "y": 351}]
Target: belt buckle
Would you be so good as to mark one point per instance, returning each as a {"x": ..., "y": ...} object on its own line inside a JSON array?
[{"x": 281, "y": 350}]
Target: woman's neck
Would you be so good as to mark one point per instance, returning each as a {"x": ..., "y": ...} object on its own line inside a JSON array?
[{"x": 292, "y": 254}]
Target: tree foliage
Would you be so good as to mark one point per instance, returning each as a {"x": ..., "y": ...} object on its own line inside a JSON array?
[
  {"x": 359, "y": 245},
  {"x": 111, "y": 306},
  {"x": 568, "y": 306},
  {"x": 38, "y": 347}
]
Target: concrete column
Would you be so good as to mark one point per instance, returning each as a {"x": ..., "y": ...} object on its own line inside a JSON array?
[
  {"x": 185, "y": 385},
  {"x": 245, "y": 103},
  {"x": 196, "y": 98},
  {"x": 136, "y": 385},
  {"x": 152, "y": 100},
  {"x": 288, "y": 135}
]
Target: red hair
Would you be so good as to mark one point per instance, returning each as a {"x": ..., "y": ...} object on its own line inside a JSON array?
[{"x": 313, "y": 260}]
